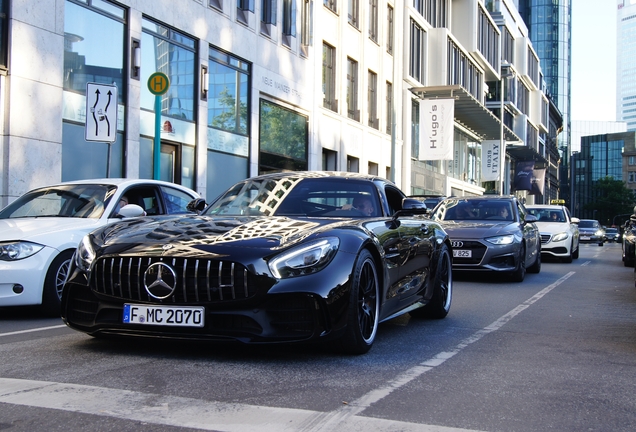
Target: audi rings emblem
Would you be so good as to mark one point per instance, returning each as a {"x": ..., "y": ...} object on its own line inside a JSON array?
[
  {"x": 160, "y": 280},
  {"x": 457, "y": 244}
]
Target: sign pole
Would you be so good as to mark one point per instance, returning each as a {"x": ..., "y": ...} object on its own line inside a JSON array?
[
  {"x": 157, "y": 147},
  {"x": 158, "y": 84}
]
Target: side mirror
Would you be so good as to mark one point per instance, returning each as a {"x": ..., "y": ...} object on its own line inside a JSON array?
[
  {"x": 575, "y": 220},
  {"x": 131, "y": 210},
  {"x": 411, "y": 206},
  {"x": 531, "y": 218},
  {"x": 196, "y": 205}
]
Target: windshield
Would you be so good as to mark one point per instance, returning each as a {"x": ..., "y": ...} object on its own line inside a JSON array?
[
  {"x": 589, "y": 224},
  {"x": 290, "y": 196},
  {"x": 548, "y": 214},
  {"x": 77, "y": 201},
  {"x": 474, "y": 209}
]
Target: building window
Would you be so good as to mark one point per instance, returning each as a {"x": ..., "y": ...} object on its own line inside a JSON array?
[
  {"x": 353, "y": 164},
  {"x": 4, "y": 32},
  {"x": 631, "y": 160},
  {"x": 389, "y": 107},
  {"x": 372, "y": 100},
  {"x": 305, "y": 27},
  {"x": 488, "y": 38},
  {"x": 81, "y": 159},
  {"x": 329, "y": 77},
  {"x": 268, "y": 16},
  {"x": 416, "y": 57},
  {"x": 508, "y": 48},
  {"x": 228, "y": 99},
  {"x": 216, "y": 4},
  {"x": 353, "y": 13},
  {"x": 330, "y": 4},
  {"x": 352, "y": 89},
  {"x": 433, "y": 11},
  {"x": 462, "y": 71},
  {"x": 289, "y": 18},
  {"x": 329, "y": 160},
  {"x": 373, "y": 20},
  {"x": 415, "y": 129},
  {"x": 164, "y": 49},
  {"x": 243, "y": 7},
  {"x": 389, "y": 29},
  {"x": 372, "y": 168},
  {"x": 631, "y": 177},
  {"x": 283, "y": 139}
]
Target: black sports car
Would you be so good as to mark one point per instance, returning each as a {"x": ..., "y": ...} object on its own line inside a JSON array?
[{"x": 287, "y": 257}]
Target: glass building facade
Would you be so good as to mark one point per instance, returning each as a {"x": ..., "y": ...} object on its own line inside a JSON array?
[
  {"x": 550, "y": 25},
  {"x": 600, "y": 156},
  {"x": 626, "y": 64}
]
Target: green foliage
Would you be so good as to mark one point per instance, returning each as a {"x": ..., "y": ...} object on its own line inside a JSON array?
[
  {"x": 611, "y": 198},
  {"x": 283, "y": 132}
]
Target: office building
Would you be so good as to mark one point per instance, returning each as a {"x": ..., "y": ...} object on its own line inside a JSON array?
[
  {"x": 626, "y": 63},
  {"x": 256, "y": 87}
]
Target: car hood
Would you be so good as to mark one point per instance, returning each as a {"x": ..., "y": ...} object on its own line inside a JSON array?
[
  {"x": 192, "y": 235},
  {"x": 50, "y": 231},
  {"x": 588, "y": 230},
  {"x": 479, "y": 229},
  {"x": 553, "y": 227}
]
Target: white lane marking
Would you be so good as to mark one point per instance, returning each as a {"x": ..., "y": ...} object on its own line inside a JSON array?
[
  {"x": 206, "y": 415},
  {"x": 329, "y": 421},
  {"x": 180, "y": 411},
  {"x": 586, "y": 263},
  {"x": 32, "y": 330}
]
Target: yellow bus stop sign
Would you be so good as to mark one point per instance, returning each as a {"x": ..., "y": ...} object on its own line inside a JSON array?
[{"x": 158, "y": 83}]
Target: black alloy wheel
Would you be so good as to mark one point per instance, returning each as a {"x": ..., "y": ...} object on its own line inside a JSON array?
[
  {"x": 364, "y": 307},
  {"x": 440, "y": 303},
  {"x": 519, "y": 274}
]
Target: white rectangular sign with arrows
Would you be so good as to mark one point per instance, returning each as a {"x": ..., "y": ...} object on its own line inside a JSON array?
[{"x": 101, "y": 112}]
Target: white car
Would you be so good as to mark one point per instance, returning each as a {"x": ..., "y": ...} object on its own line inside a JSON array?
[
  {"x": 559, "y": 231},
  {"x": 40, "y": 230}
]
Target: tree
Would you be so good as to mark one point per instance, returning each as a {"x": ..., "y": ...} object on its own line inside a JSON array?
[{"x": 611, "y": 198}]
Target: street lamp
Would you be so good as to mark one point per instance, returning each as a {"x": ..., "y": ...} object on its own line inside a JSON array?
[{"x": 504, "y": 74}]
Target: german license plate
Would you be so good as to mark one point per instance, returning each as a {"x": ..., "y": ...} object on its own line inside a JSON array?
[
  {"x": 585, "y": 237},
  {"x": 174, "y": 316},
  {"x": 462, "y": 253}
]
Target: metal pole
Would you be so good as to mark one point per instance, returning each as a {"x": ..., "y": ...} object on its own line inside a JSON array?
[
  {"x": 157, "y": 146},
  {"x": 502, "y": 141}
]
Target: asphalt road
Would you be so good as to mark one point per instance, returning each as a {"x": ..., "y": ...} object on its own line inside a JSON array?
[{"x": 554, "y": 353}]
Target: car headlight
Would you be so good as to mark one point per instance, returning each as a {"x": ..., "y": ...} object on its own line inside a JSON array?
[
  {"x": 85, "y": 254},
  {"x": 599, "y": 233},
  {"x": 305, "y": 259},
  {"x": 17, "y": 250},
  {"x": 501, "y": 240},
  {"x": 559, "y": 237}
]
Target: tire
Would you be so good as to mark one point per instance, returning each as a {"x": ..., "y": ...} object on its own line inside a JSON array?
[
  {"x": 364, "y": 307},
  {"x": 54, "y": 282},
  {"x": 536, "y": 266},
  {"x": 601, "y": 244},
  {"x": 519, "y": 274},
  {"x": 568, "y": 259},
  {"x": 439, "y": 305}
]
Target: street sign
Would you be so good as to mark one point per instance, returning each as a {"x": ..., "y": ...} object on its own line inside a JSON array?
[
  {"x": 158, "y": 83},
  {"x": 101, "y": 112}
]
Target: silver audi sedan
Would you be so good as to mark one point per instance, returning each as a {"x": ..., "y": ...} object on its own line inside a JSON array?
[{"x": 491, "y": 233}]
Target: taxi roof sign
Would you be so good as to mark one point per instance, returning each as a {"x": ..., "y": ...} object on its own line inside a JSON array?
[{"x": 557, "y": 202}]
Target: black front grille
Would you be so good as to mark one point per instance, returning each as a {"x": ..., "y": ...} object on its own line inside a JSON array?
[
  {"x": 197, "y": 280},
  {"x": 545, "y": 238},
  {"x": 478, "y": 251}
]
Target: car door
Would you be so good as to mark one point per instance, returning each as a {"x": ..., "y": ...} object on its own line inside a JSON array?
[{"x": 530, "y": 234}]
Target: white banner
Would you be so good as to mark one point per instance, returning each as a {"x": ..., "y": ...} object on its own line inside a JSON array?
[
  {"x": 490, "y": 160},
  {"x": 437, "y": 129}
]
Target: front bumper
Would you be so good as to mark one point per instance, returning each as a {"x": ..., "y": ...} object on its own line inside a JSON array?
[
  {"x": 22, "y": 281},
  {"x": 487, "y": 257}
]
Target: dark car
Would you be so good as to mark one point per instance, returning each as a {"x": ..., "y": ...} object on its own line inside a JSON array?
[
  {"x": 591, "y": 231},
  {"x": 612, "y": 235},
  {"x": 491, "y": 233},
  {"x": 282, "y": 257},
  {"x": 629, "y": 242}
]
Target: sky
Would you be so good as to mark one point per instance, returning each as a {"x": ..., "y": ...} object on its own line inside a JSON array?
[{"x": 593, "y": 81}]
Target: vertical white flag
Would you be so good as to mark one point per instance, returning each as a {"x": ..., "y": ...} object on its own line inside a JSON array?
[
  {"x": 437, "y": 129},
  {"x": 490, "y": 160}
]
